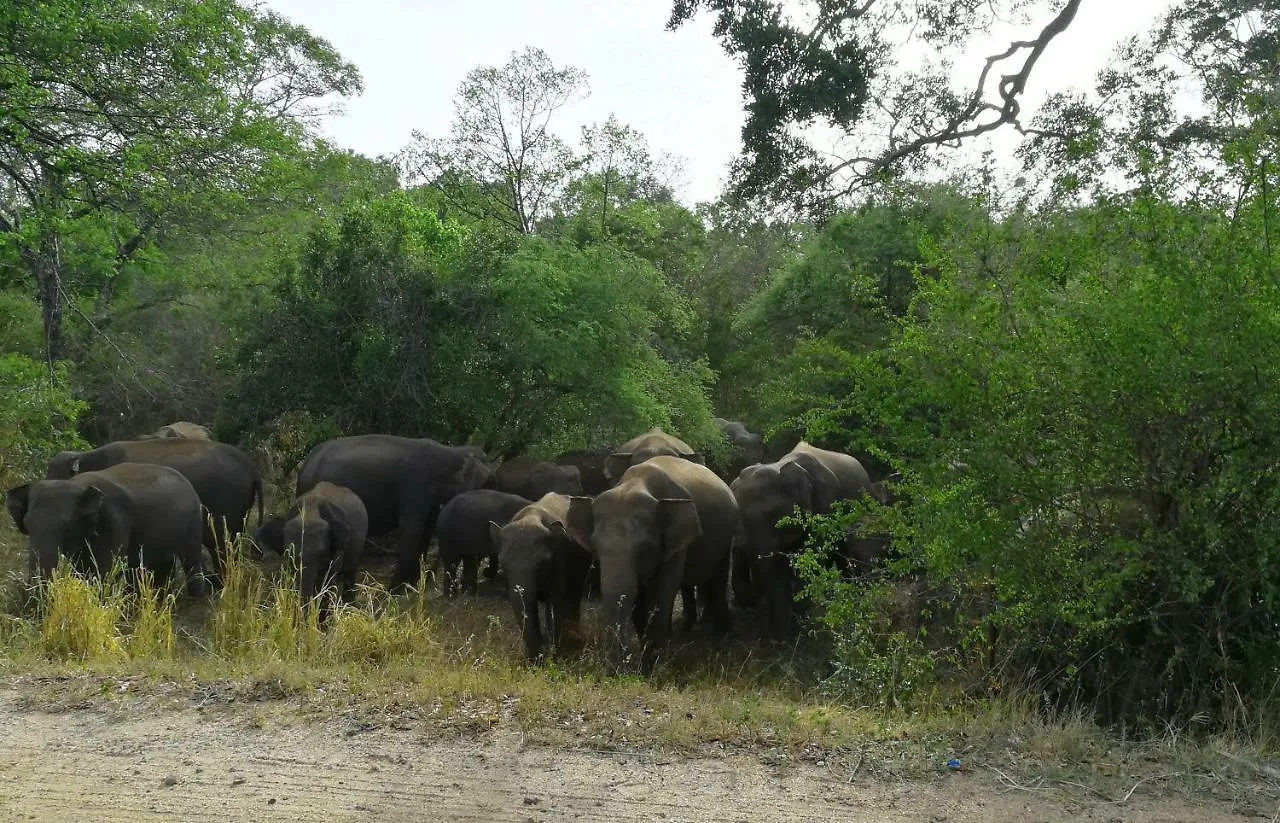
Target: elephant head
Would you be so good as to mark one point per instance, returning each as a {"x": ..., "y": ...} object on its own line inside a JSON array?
[
  {"x": 270, "y": 535},
  {"x": 547, "y": 477},
  {"x": 320, "y": 536},
  {"x": 59, "y": 518},
  {"x": 766, "y": 493},
  {"x": 653, "y": 443},
  {"x": 64, "y": 466},
  {"x": 640, "y": 540},
  {"x": 474, "y": 474}
]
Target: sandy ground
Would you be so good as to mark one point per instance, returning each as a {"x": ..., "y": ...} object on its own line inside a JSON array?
[{"x": 133, "y": 761}]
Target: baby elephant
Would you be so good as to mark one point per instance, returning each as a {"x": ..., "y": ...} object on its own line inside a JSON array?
[
  {"x": 149, "y": 515},
  {"x": 544, "y": 568},
  {"x": 328, "y": 525},
  {"x": 463, "y": 531}
]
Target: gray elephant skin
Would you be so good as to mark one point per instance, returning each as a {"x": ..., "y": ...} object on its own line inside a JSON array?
[
  {"x": 812, "y": 479},
  {"x": 748, "y": 447},
  {"x": 149, "y": 515},
  {"x": 182, "y": 428},
  {"x": 546, "y": 572},
  {"x": 464, "y": 536},
  {"x": 653, "y": 443},
  {"x": 223, "y": 476},
  {"x": 328, "y": 526},
  {"x": 532, "y": 478},
  {"x": 667, "y": 524},
  {"x": 590, "y": 466},
  {"x": 402, "y": 481}
]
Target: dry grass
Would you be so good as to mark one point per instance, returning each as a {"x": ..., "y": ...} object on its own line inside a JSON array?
[{"x": 456, "y": 665}]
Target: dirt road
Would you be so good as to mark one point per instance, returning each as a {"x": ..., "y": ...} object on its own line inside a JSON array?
[{"x": 137, "y": 760}]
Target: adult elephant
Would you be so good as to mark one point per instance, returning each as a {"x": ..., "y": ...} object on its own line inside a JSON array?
[
  {"x": 463, "y": 535},
  {"x": 667, "y": 524},
  {"x": 402, "y": 481},
  {"x": 590, "y": 466},
  {"x": 748, "y": 447},
  {"x": 146, "y": 514},
  {"x": 532, "y": 479},
  {"x": 653, "y": 443},
  {"x": 809, "y": 478},
  {"x": 328, "y": 526},
  {"x": 223, "y": 476},
  {"x": 182, "y": 428},
  {"x": 546, "y": 571}
]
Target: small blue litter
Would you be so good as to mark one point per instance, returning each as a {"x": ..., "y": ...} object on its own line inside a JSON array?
[{"x": 953, "y": 763}]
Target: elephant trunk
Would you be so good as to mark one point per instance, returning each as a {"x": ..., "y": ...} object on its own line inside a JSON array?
[
  {"x": 618, "y": 596},
  {"x": 524, "y": 603},
  {"x": 771, "y": 573},
  {"x": 314, "y": 573}
]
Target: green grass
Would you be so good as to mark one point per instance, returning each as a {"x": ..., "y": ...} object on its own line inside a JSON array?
[{"x": 457, "y": 665}]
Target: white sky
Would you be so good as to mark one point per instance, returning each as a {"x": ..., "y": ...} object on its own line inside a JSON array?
[{"x": 679, "y": 89}]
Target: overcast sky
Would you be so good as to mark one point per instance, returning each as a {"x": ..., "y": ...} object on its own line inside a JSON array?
[{"x": 679, "y": 89}]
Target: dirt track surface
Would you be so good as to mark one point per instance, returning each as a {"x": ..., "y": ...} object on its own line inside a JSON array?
[{"x": 123, "y": 763}]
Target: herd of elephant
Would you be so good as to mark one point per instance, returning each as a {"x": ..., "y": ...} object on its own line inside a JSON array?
[{"x": 640, "y": 523}]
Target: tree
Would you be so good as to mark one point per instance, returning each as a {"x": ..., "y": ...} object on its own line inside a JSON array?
[
  {"x": 121, "y": 118},
  {"x": 501, "y": 160},
  {"x": 836, "y": 70}
]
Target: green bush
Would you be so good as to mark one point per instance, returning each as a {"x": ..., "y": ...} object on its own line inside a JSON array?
[
  {"x": 393, "y": 320},
  {"x": 37, "y": 416},
  {"x": 1088, "y": 424}
]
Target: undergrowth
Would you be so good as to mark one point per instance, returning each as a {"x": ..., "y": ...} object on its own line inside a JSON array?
[{"x": 457, "y": 664}]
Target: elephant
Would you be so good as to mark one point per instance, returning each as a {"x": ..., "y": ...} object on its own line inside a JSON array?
[
  {"x": 464, "y": 536},
  {"x": 223, "y": 476},
  {"x": 590, "y": 466},
  {"x": 812, "y": 479},
  {"x": 544, "y": 567},
  {"x": 328, "y": 525},
  {"x": 748, "y": 447},
  {"x": 638, "y": 449},
  {"x": 666, "y": 525},
  {"x": 533, "y": 478},
  {"x": 147, "y": 514},
  {"x": 402, "y": 482},
  {"x": 182, "y": 428}
]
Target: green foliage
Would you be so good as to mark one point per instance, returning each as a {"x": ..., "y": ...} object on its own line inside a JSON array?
[
  {"x": 124, "y": 117},
  {"x": 1087, "y": 423},
  {"x": 37, "y": 416},
  {"x": 393, "y": 320}
]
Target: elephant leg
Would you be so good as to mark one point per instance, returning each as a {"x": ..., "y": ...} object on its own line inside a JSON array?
[
  {"x": 555, "y": 622},
  {"x": 715, "y": 597},
  {"x": 640, "y": 614},
  {"x": 689, "y": 607},
  {"x": 660, "y": 605},
  {"x": 744, "y": 593},
  {"x": 448, "y": 578},
  {"x": 470, "y": 569},
  {"x": 780, "y": 603},
  {"x": 415, "y": 535}
]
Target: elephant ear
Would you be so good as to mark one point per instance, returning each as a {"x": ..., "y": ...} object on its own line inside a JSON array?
[
  {"x": 680, "y": 524},
  {"x": 339, "y": 535},
  {"x": 824, "y": 484},
  {"x": 17, "y": 500},
  {"x": 89, "y": 507},
  {"x": 580, "y": 521},
  {"x": 616, "y": 465},
  {"x": 799, "y": 485}
]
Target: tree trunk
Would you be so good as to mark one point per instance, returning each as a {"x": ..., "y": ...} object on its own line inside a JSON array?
[{"x": 42, "y": 262}]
